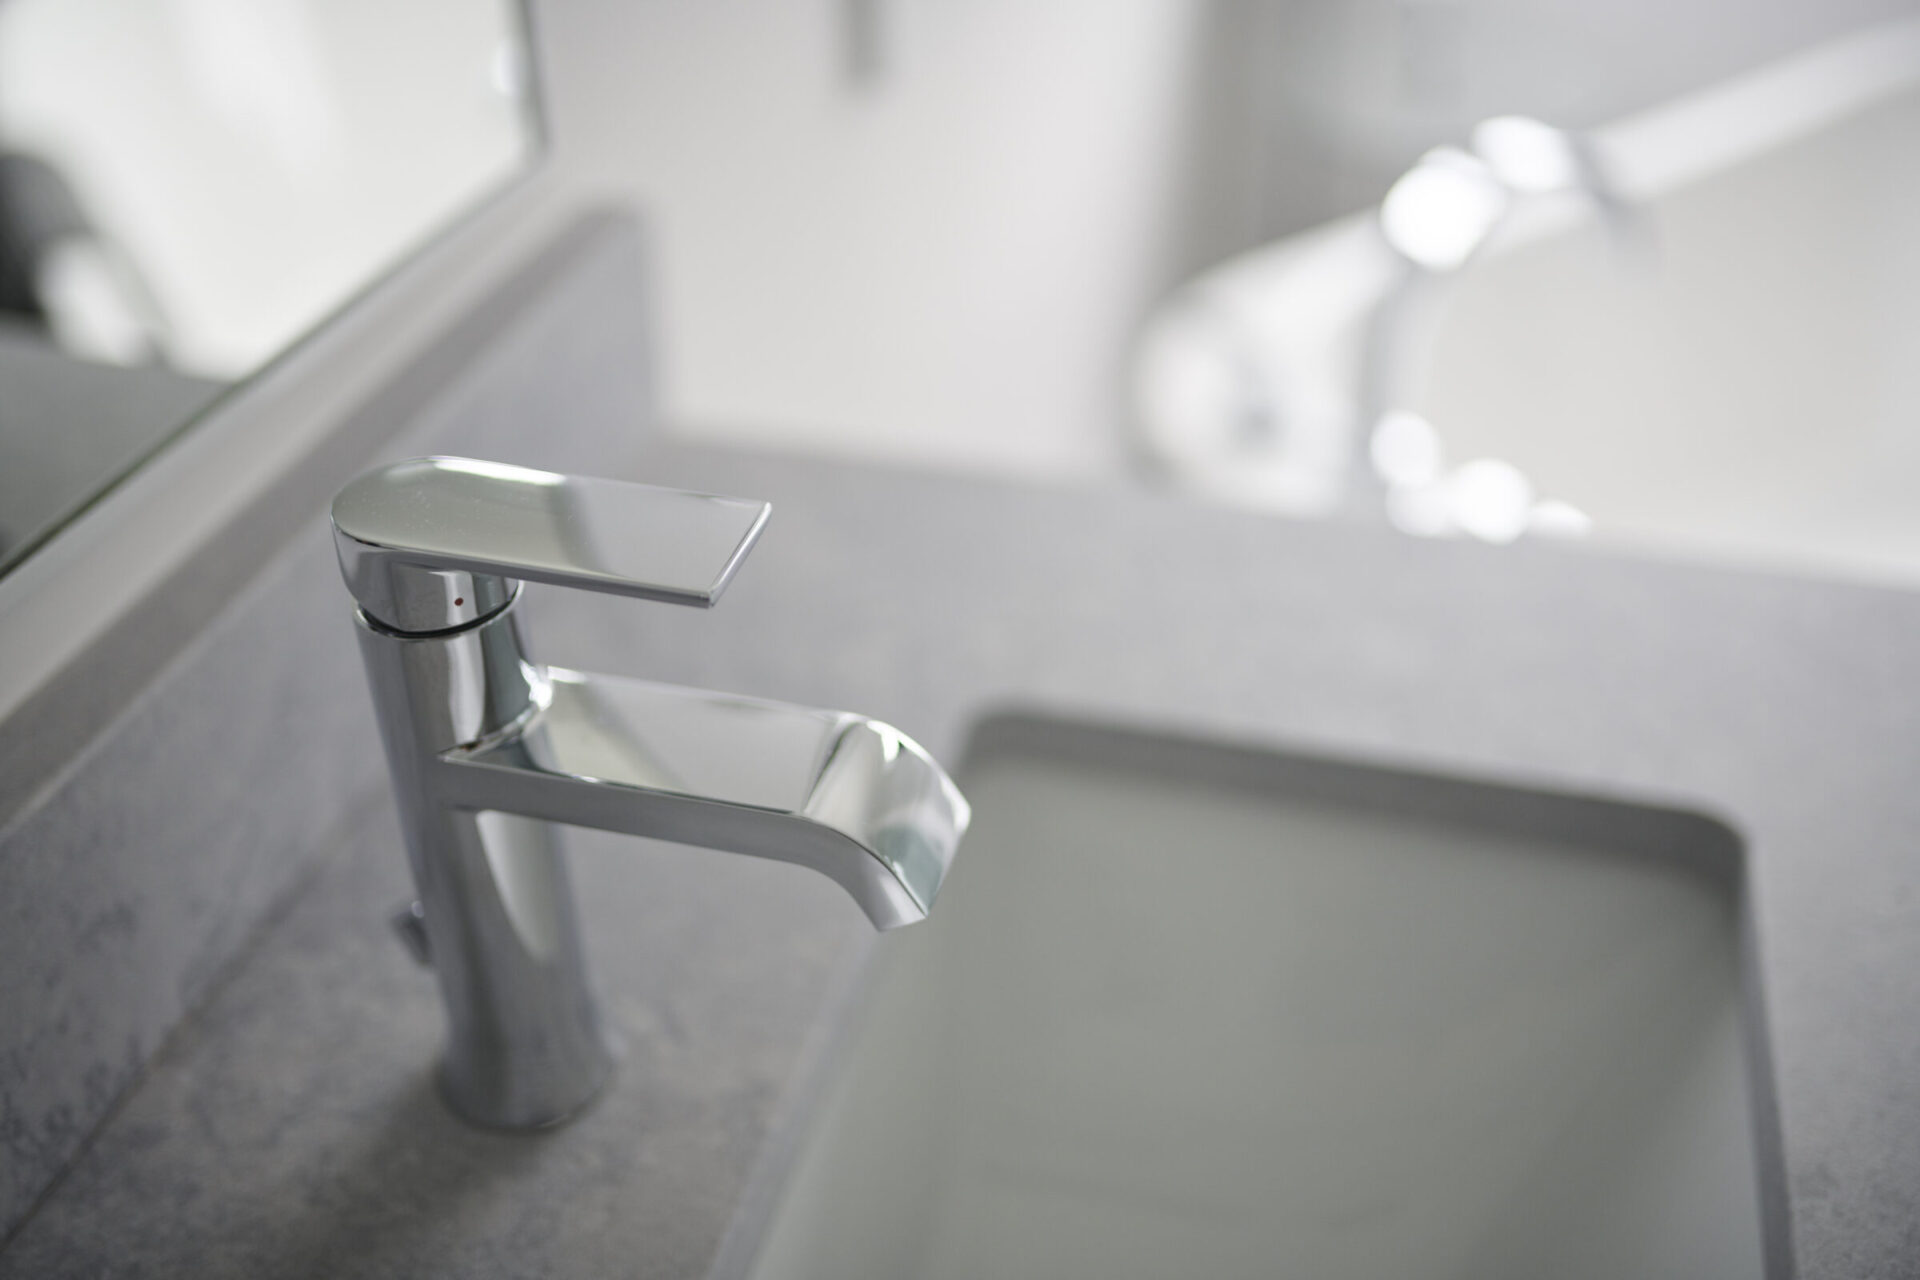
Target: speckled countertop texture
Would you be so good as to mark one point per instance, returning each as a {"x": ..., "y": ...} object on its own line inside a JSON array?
[{"x": 289, "y": 1128}]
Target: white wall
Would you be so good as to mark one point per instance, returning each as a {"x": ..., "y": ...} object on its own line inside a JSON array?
[{"x": 945, "y": 263}]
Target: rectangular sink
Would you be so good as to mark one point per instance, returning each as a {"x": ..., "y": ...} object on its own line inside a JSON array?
[{"x": 1193, "y": 1010}]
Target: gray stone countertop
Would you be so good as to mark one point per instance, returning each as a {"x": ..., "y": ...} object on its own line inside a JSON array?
[{"x": 289, "y": 1128}]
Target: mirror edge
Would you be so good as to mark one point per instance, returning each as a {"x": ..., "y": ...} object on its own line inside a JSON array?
[{"x": 103, "y": 605}]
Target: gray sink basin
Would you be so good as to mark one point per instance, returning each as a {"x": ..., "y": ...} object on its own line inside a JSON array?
[{"x": 1185, "y": 1010}]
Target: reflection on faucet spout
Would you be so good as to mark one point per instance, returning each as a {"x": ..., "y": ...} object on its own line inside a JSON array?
[{"x": 852, "y": 798}]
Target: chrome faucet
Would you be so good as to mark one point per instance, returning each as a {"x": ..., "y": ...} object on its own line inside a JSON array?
[{"x": 489, "y": 750}]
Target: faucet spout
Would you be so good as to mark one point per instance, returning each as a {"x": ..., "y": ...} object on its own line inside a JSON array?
[{"x": 849, "y": 797}]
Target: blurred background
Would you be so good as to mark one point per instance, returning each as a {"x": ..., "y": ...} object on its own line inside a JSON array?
[
  {"x": 1639, "y": 271},
  {"x": 1083, "y": 239}
]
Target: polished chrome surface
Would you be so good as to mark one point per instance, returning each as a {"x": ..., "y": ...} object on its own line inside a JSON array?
[
  {"x": 433, "y": 543},
  {"x": 854, "y": 799},
  {"x": 489, "y": 751}
]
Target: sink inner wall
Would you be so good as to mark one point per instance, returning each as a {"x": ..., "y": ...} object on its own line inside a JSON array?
[{"x": 1172, "y": 1019}]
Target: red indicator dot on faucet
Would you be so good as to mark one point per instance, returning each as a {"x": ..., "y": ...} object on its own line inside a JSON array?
[{"x": 458, "y": 601}]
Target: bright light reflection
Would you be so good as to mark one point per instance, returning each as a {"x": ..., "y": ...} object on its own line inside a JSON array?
[
  {"x": 1443, "y": 209},
  {"x": 1527, "y": 155},
  {"x": 499, "y": 471},
  {"x": 1405, "y": 449},
  {"x": 1490, "y": 499}
]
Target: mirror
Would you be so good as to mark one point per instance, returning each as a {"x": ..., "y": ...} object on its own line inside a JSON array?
[{"x": 188, "y": 187}]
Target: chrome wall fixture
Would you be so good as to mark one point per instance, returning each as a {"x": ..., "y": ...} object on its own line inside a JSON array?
[{"x": 489, "y": 750}]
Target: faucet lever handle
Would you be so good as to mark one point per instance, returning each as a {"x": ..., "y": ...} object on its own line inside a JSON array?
[{"x": 434, "y": 543}]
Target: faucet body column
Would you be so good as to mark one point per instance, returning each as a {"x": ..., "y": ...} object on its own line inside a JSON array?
[{"x": 525, "y": 1045}]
